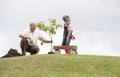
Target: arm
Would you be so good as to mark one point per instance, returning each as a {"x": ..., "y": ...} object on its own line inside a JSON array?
[
  {"x": 44, "y": 40},
  {"x": 47, "y": 41},
  {"x": 23, "y": 34},
  {"x": 69, "y": 32},
  {"x": 25, "y": 37}
]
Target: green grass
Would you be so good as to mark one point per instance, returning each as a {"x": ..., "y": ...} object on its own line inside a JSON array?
[{"x": 60, "y": 66}]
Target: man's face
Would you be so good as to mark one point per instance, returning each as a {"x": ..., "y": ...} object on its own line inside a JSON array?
[{"x": 32, "y": 27}]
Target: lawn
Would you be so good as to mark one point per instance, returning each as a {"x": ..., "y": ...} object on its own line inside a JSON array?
[{"x": 60, "y": 66}]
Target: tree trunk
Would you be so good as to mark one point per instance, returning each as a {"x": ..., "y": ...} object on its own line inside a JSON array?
[{"x": 51, "y": 52}]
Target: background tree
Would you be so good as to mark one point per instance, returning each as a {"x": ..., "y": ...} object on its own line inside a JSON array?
[{"x": 50, "y": 29}]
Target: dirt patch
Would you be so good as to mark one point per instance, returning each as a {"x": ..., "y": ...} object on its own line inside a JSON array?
[{"x": 12, "y": 53}]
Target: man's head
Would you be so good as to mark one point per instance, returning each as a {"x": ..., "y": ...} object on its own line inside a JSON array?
[{"x": 33, "y": 26}]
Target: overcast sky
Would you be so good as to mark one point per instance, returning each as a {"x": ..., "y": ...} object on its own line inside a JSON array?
[{"x": 96, "y": 23}]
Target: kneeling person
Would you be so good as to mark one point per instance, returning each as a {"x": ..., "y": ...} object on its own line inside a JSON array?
[{"x": 29, "y": 40}]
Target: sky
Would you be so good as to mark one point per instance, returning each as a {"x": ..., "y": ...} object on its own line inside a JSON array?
[{"x": 96, "y": 23}]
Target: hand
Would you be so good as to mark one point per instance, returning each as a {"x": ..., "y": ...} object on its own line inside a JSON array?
[
  {"x": 67, "y": 39},
  {"x": 31, "y": 41},
  {"x": 51, "y": 41}
]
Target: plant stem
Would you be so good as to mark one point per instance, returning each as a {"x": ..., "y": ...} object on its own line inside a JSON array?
[{"x": 51, "y": 39}]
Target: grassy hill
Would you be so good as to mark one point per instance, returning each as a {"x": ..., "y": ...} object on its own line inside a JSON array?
[{"x": 60, "y": 66}]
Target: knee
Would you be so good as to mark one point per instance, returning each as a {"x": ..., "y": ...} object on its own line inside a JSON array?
[
  {"x": 35, "y": 49},
  {"x": 23, "y": 40}
]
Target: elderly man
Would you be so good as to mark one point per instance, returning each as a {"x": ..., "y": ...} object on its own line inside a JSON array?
[{"x": 29, "y": 40}]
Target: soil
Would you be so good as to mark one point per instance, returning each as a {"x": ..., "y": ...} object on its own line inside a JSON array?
[
  {"x": 50, "y": 52},
  {"x": 12, "y": 53}
]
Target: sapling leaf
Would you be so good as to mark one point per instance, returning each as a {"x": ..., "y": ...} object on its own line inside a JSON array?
[{"x": 53, "y": 26}]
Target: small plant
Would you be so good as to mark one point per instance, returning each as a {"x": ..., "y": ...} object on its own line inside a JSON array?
[{"x": 50, "y": 29}]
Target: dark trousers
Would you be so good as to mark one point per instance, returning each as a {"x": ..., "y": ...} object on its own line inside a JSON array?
[
  {"x": 64, "y": 43},
  {"x": 25, "y": 47}
]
